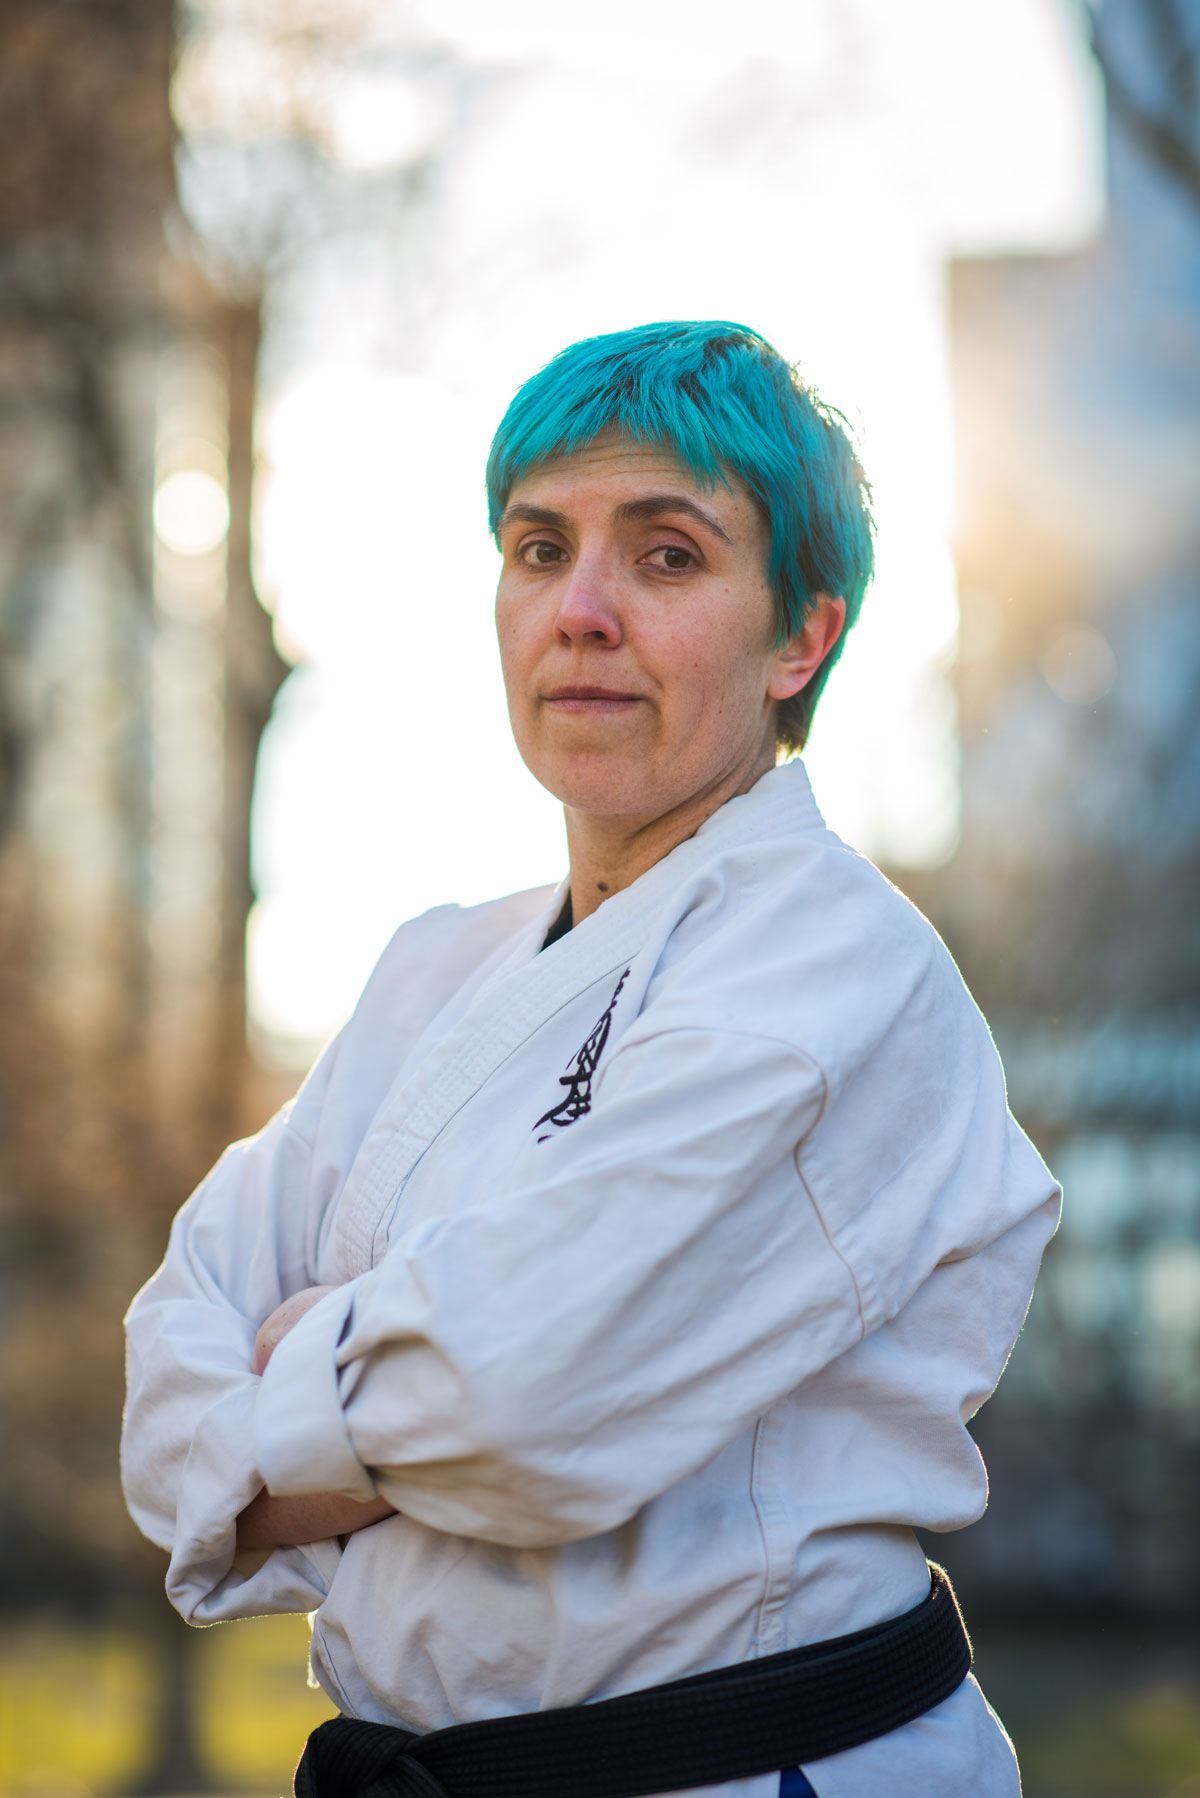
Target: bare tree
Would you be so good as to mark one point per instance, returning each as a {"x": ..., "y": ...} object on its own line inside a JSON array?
[
  {"x": 93, "y": 1158},
  {"x": 1162, "y": 112}
]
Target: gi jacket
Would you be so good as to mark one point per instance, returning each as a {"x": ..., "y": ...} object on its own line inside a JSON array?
[{"x": 671, "y": 1260}]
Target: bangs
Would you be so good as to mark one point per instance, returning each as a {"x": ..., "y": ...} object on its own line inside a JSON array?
[{"x": 724, "y": 401}]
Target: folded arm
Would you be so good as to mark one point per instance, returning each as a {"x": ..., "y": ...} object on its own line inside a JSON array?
[
  {"x": 534, "y": 1367},
  {"x": 270, "y": 1522},
  {"x": 538, "y": 1363},
  {"x": 248, "y": 1235}
]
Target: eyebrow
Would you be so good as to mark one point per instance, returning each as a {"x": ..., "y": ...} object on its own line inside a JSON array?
[
  {"x": 654, "y": 505},
  {"x": 521, "y": 514},
  {"x": 632, "y": 511}
]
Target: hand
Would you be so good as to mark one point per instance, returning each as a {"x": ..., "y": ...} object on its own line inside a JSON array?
[
  {"x": 269, "y": 1522},
  {"x": 285, "y": 1317}
]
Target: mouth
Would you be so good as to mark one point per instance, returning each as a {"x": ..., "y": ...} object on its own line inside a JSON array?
[{"x": 590, "y": 699}]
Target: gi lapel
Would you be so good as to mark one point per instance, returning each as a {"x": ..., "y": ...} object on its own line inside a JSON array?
[{"x": 525, "y": 991}]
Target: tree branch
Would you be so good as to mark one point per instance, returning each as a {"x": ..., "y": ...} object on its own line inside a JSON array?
[
  {"x": 1166, "y": 24},
  {"x": 1163, "y": 140}
]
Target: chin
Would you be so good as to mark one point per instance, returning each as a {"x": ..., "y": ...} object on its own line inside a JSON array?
[{"x": 605, "y": 787}]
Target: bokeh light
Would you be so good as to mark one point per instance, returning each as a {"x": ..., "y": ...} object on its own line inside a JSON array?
[{"x": 191, "y": 512}]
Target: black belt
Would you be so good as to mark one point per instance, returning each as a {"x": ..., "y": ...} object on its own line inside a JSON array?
[{"x": 758, "y": 1717}]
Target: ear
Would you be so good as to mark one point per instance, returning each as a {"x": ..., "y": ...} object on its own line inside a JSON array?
[{"x": 799, "y": 658}]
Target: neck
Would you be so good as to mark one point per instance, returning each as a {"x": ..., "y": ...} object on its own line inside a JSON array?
[{"x": 608, "y": 854}]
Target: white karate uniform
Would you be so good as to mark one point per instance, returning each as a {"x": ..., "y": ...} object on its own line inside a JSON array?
[{"x": 671, "y": 1260}]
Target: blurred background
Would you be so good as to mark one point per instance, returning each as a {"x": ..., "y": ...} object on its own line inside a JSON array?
[{"x": 269, "y": 274}]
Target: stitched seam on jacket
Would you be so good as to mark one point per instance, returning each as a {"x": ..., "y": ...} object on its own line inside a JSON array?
[
  {"x": 320, "y": 1645},
  {"x": 775, "y": 1582},
  {"x": 834, "y": 1245},
  {"x": 760, "y": 1620}
]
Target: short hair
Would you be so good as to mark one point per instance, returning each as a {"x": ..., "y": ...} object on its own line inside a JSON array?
[{"x": 725, "y": 401}]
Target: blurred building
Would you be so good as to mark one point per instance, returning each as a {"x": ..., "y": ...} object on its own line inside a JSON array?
[{"x": 1073, "y": 903}]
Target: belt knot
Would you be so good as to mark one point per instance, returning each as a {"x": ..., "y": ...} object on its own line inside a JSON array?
[{"x": 349, "y": 1758}]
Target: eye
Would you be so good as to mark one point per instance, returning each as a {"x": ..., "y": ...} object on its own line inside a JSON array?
[
  {"x": 674, "y": 557},
  {"x": 541, "y": 553}
]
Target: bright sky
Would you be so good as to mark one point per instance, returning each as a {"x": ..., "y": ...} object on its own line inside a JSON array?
[{"x": 809, "y": 177}]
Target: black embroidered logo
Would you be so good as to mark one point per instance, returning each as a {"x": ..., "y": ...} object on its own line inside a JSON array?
[{"x": 576, "y": 1102}]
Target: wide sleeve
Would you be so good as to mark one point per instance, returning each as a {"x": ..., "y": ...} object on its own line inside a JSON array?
[
  {"x": 534, "y": 1368},
  {"x": 245, "y": 1240},
  {"x": 249, "y": 1237}
]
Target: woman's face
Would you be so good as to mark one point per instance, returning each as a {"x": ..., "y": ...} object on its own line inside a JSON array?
[{"x": 637, "y": 632}]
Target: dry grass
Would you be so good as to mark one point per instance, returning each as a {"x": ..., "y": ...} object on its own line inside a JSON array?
[{"x": 75, "y": 1706}]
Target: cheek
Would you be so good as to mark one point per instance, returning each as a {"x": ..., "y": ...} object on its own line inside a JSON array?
[
  {"x": 724, "y": 671},
  {"x": 509, "y": 636}
]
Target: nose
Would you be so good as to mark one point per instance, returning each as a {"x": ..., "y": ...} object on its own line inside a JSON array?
[{"x": 587, "y": 609}]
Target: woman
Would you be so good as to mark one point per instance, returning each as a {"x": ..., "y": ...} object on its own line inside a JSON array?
[{"x": 607, "y": 1306}]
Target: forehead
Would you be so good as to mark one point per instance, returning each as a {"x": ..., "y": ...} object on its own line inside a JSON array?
[{"x": 616, "y": 468}]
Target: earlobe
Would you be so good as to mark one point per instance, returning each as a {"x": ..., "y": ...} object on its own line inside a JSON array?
[{"x": 800, "y": 657}]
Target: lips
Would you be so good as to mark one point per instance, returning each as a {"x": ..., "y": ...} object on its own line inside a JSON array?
[{"x": 590, "y": 699}]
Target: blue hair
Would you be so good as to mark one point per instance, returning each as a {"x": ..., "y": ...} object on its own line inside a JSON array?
[{"x": 726, "y": 403}]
